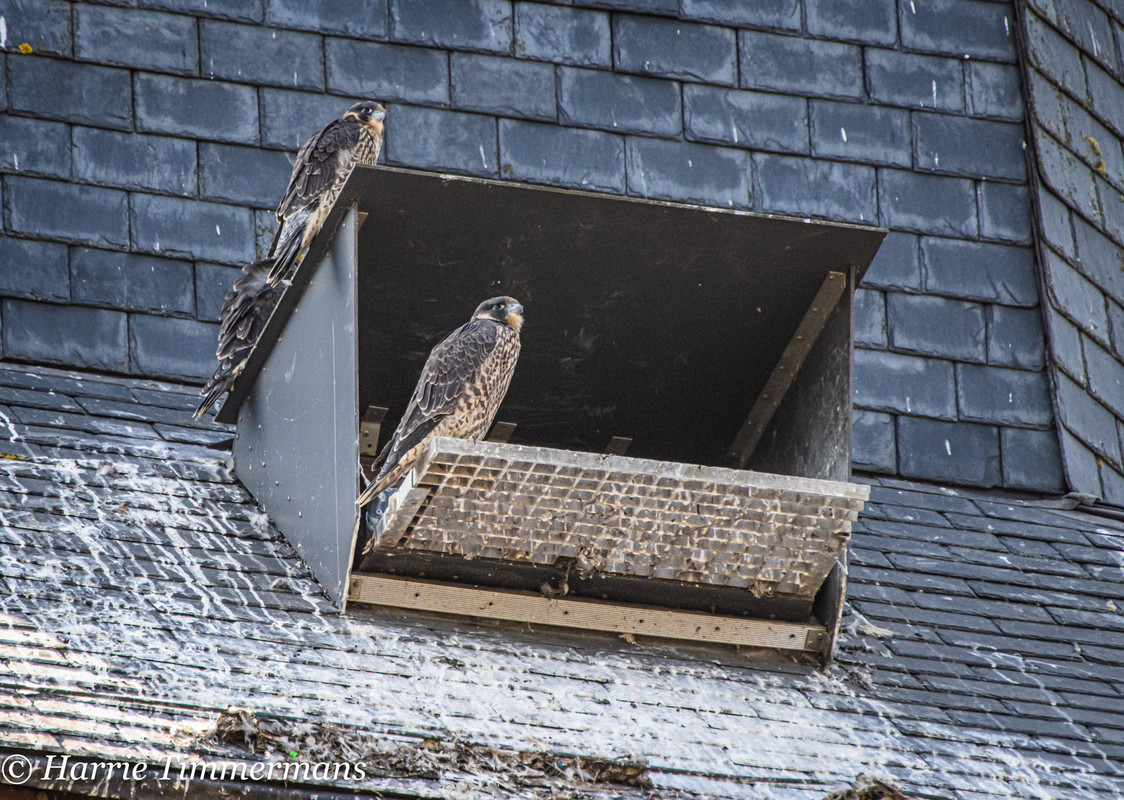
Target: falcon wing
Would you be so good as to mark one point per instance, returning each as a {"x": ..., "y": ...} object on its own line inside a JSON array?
[
  {"x": 319, "y": 165},
  {"x": 245, "y": 311}
]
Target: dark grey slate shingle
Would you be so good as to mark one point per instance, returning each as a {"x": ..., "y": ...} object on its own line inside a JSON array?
[
  {"x": 563, "y": 35},
  {"x": 94, "y": 338},
  {"x": 792, "y": 64},
  {"x": 623, "y": 103},
  {"x": 83, "y": 93},
  {"x": 581, "y": 159},
  {"x": 256, "y": 54},
  {"x": 359, "y": 18},
  {"x": 504, "y": 86},
  {"x": 131, "y": 38},
  {"x": 758, "y": 120},
  {"x": 224, "y": 112},
  {"x": 135, "y": 161},
  {"x": 672, "y": 49},
  {"x": 132, "y": 282}
]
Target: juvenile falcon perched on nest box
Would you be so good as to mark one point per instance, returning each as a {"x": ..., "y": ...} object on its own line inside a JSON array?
[
  {"x": 460, "y": 389},
  {"x": 245, "y": 310},
  {"x": 322, "y": 167}
]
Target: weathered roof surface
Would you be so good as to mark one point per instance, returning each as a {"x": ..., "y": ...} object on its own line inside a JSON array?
[
  {"x": 144, "y": 594},
  {"x": 1075, "y": 84}
]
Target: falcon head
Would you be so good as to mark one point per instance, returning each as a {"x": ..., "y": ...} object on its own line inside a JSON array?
[
  {"x": 368, "y": 113},
  {"x": 504, "y": 310}
]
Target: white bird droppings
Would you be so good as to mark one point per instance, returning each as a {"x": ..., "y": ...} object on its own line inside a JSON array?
[{"x": 843, "y": 133}]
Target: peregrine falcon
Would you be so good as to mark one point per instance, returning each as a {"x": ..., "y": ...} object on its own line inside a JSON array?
[
  {"x": 460, "y": 389},
  {"x": 322, "y": 167},
  {"x": 245, "y": 310}
]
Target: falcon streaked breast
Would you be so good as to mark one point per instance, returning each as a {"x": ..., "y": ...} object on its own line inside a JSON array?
[
  {"x": 459, "y": 391},
  {"x": 321, "y": 169}
]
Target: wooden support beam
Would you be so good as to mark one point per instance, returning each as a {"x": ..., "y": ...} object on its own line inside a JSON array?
[
  {"x": 783, "y": 374},
  {"x": 592, "y": 615},
  {"x": 501, "y": 432},
  {"x": 618, "y": 445}
]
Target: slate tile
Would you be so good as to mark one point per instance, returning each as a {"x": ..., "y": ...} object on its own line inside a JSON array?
[
  {"x": 937, "y": 326},
  {"x": 619, "y": 103},
  {"x": 93, "y": 338},
  {"x": 757, "y": 120},
  {"x": 673, "y": 49},
  {"x": 977, "y": 271},
  {"x": 692, "y": 173},
  {"x": 997, "y": 150},
  {"x": 1056, "y": 57},
  {"x": 34, "y": 270},
  {"x": 581, "y": 159},
  {"x": 801, "y": 186},
  {"x": 662, "y": 7},
  {"x": 1046, "y": 100},
  {"x": 958, "y": 452},
  {"x": 1067, "y": 176},
  {"x": 35, "y": 147},
  {"x": 873, "y": 444},
  {"x": 993, "y": 90},
  {"x": 938, "y": 584},
  {"x": 992, "y": 609},
  {"x": 212, "y": 282},
  {"x": 947, "y": 499},
  {"x": 903, "y": 384},
  {"x": 1099, "y": 258},
  {"x": 1078, "y": 298},
  {"x": 862, "y": 21},
  {"x": 67, "y": 211},
  {"x": 1088, "y": 26},
  {"x": 64, "y": 90},
  {"x": 1093, "y": 142},
  {"x": 363, "y": 19},
  {"x": 472, "y": 25},
  {"x": 442, "y": 140},
  {"x": 241, "y": 10},
  {"x": 260, "y": 55},
  {"x": 1111, "y": 202},
  {"x": 387, "y": 71},
  {"x": 131, "y": 282},
  {"x": 1057, "y": 227},
  {"x": 927, "y": 203},
  {"x": 244, "y": 175},
  {"x": 191, "y": 229},
  {"x": 135, "y": 161},
  {"x": 43, "y": 24},
  {"x": 503, "y": 86},
  {"x": 971, "y": 30},
  {"x": 224, "y": 112},
  {"x": 859, "y": 132},
  {"x": 870, "y": 319},
  {"x": 800, "y": 66},
  {"x": 561, "y": 35},
  {"x": 132, "y": 38},
  {"x": 900, "y": 533},
  {"x": 780, "y": 14},
  {"x": 896, "y": 265},
  {"x": 1112, "y": 478},
  {"x": 1107, "y": 95},
  {"x": 1106, "y": 377},
  {"x": 1032, "y": 460},
  {"x": 1004, "y": 212},
  {"x": 1087, "y": 419},
  {"x": 914, "y": 81},
  {"x": 289, "y": 119},
  {"x": 1015, "y": 337}
]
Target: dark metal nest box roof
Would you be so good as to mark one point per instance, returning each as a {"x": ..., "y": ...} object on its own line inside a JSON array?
[{"x": 655, "y": 321}]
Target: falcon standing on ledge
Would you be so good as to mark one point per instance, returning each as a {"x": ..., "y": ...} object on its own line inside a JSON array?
[
  {"x": 460, "y": 389},
  {"x": 322, "y": 167},
  {"x": 245, "y": 310}
]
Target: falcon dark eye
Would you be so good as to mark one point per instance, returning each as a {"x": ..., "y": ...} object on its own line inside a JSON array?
[{"x": 498, "y": 306}]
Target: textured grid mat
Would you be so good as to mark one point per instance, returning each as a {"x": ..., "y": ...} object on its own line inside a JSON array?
[{"x": 769, "y": 534}]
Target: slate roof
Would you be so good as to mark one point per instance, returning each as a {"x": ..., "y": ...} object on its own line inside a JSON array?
[
  {"x": 144, "y": 594},
  {"x": 148, "y": 146},
  {"x": 1074, "y": 67}
]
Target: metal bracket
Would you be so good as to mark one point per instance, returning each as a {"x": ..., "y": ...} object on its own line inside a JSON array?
[
  {"x": 501, "y": 432},
  {"x": 369, "y": 429},
  {"x": 618, "y": 445},
  {"x": 783, "y": 374}
]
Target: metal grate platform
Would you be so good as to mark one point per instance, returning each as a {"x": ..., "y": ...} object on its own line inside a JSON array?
[{"x": 613, "y": 515}]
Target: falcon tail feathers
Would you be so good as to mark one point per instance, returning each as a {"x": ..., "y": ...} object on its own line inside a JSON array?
[{"x": 287, "y": 248}]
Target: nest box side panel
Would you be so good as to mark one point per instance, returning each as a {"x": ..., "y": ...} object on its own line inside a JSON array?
[
  {"x": 297, "y": 447},
  {"x": 810, "y": 434}
]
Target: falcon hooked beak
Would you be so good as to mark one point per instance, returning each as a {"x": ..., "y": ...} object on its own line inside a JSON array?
[{"x": 514, "y": 316}]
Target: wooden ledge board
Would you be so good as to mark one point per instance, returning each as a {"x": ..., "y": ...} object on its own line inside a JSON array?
[{"x": 513, "y": 606}]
